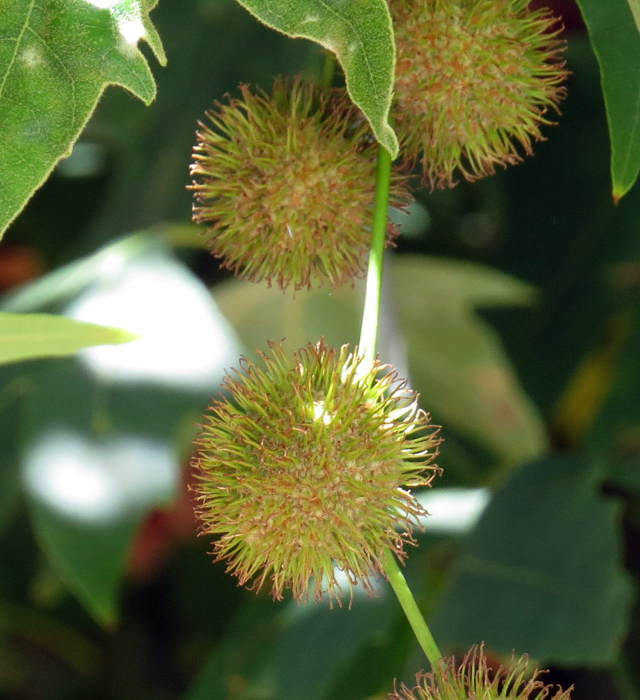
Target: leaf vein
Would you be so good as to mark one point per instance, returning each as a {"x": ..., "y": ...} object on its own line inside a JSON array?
[{"x": 12, "y": 61}]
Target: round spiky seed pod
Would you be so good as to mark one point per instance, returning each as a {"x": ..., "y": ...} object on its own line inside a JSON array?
[
  {"x": 474, "y": 81},
  {"x": 302, "y": 469},
  {"x": 474, "y": 678},
  {"x": 285, "y": 183}
]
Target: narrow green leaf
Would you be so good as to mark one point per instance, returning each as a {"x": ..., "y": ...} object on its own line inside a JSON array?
[
  {"x": 542, "y": 573},
  {"x": 634, "y": 6},
  {"x": 28, "y": 336},
  {"x": 359, "y": 32},
  {"x": 56, "y": 58},
  {"x": 616, "y": 43}
]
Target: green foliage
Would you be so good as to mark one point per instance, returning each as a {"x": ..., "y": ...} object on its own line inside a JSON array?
[
  {"x": 26, "y": 336},
  {"x": 513, "y": 585},
  {"x": 56, "y": 58},
  {"x": 616, "y": 43},
  {"x": 512, "y": 306}
]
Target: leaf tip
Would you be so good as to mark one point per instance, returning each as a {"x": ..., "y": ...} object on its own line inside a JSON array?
[{"x": 122, "y": 336}]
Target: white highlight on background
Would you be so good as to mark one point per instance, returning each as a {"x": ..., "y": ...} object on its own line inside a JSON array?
[
  {"x": 452, "y": 510},
  {"x": 97, "y": 481},
  {"x": 184, "y": 340}
]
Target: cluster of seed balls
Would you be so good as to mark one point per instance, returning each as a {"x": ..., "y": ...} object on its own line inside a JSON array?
[
  {"x": 284, "y": 182},
  {"x": 302, "y": 468}
]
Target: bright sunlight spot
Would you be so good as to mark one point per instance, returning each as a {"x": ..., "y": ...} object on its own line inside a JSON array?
[
  {"x": 319, "y": 412},
  {"x": 453, "y": 510},
  {"x": 184, "y": 340},
  {"x": 127, "y": 17}
]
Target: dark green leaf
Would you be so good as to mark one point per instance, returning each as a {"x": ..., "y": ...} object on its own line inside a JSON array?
[
  {"x": 89, "y": 561},
  {"x": 542, "y": 572},
  {"x": 359, "y": 32},
  {"x": 616, "y": 43},
  {"x": 349, "y": 630},
  {"x": 615, "y": 429},
  {"x": 56, "y": 58}
]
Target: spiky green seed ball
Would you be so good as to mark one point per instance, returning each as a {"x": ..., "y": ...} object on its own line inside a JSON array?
[
  {"x": 474, "y": 82},
  {"x": 302, "y": 468},
  {"x": 284, "y": 184},
  {"x": 474, "y": 679}
]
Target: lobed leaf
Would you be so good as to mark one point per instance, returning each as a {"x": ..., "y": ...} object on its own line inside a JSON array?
[
  {"x": 542, "y": 573},
  {"x": 360, "y": 33},
  {"x": 56, "y": 58}
]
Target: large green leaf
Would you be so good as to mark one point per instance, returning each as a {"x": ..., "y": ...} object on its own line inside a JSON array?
[
  {"x": 359, "y": 32},
  {"x": 56, "y": 58},
  {"x": 27, "y": 336},
  {"x": 542, "y": 572},
  {"x": 616, "y": 43},
  {"x": 456, "y": 359}
]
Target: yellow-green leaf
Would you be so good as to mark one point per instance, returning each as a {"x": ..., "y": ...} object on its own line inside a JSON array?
[
  {"x": 29, "y": 336},
  {"x": 634, "y": 6}
]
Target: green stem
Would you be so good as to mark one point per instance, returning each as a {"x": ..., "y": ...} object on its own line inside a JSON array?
[
  {"x": 411, "y": 610},
  {"x": 368, "y": 337},
  {"x": 369, "y": 330}
]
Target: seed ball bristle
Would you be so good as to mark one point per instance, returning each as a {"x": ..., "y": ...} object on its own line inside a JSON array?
[
  {"x": 284, "y": 184},
  {"x": 301, "y": 470},
  {"x": 474, "y": 678},
  {"x": 474, "y": 82}
]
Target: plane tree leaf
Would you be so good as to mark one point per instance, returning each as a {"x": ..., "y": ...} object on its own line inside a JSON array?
[
  {"x": 56, "y": 59},
  {"x": 456, "y": 359},
  {"x": 360, "y": 34},
  {"x": 542, "y": 572}
]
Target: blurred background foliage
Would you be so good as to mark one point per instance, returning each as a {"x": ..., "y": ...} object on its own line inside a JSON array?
[{"x": 512, "y": 304}]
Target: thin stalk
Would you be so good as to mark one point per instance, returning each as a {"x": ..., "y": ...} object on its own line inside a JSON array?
[
  {"x": 367, "y": 346},
  {"x": 369, "y": 329},
  {"x": 411, "y": 610},
  {"x": 328, "y": 69}
]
